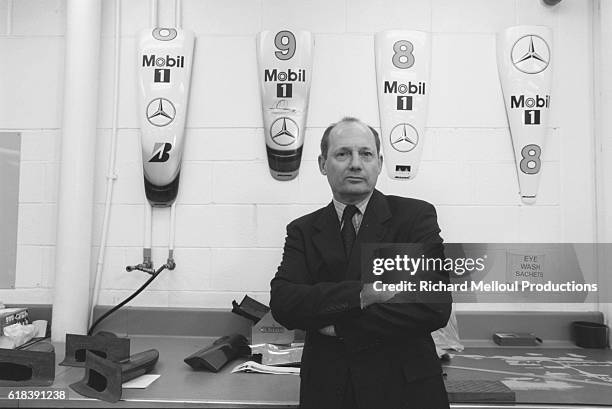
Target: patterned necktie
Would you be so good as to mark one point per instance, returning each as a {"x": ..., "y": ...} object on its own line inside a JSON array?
[{"x": 348, "y": 229}]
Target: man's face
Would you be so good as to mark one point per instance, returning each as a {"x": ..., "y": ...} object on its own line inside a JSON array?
[{"x": 352, "y": 165}]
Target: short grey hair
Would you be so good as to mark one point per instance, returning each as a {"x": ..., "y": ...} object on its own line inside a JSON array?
[{"x": 325, "y": 138}]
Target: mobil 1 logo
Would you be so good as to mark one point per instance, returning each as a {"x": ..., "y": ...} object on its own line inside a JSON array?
[
  {"x": 404, "y": 93},
  {"x": 162, "y": 64},
  {"x": 285, "y": 44},
  {"x": 531, "y": 107},
  {"x": 403, "y": 58}
]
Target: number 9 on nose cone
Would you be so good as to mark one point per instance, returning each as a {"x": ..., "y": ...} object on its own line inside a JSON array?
[
  {"x": 403, "y": 60},
  {"x": 284, "y": 60}
]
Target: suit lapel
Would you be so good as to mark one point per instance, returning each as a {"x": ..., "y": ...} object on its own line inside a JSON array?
[
  {"x": 373, "y": 228},
  {"x": 328, "y": 242}
]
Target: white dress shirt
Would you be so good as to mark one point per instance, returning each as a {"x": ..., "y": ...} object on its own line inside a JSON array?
[{"x": 358, "y": 217}]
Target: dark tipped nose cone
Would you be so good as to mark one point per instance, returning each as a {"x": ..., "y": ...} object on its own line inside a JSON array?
[{"x": 284, "y": 165}]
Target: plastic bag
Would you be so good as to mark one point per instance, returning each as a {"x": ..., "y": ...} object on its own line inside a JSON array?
[
  {"x": 19, "y": 333},
  {"x": 279, "y": 355}
]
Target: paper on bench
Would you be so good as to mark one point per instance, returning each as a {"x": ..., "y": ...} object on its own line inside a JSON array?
[
  {"x": 141, "y": 382},
  {"x": 251, "y": 366}
]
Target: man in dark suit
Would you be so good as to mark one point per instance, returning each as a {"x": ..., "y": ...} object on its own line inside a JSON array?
[{"x": 361, "y": 349}]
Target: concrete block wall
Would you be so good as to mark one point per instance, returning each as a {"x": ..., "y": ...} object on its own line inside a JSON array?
[
  {"x": 603, "y": 129},
  {"x": 231, "y": 214}
]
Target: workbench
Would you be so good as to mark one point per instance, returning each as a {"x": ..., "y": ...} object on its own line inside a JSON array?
[{"x": 550, "y": 377}]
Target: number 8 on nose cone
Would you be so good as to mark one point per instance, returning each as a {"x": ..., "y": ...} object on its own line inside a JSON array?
[
  {"x": 284, "y": 60},
  {"x": 402, "y": 76},
  {"x": 165, "y": 57},
  {"x": 525, "y": 72}
]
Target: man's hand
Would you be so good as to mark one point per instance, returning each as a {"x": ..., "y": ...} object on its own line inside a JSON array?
[
  {"x": 330, "y": 331},
  {"x": 369, "y": 295}
]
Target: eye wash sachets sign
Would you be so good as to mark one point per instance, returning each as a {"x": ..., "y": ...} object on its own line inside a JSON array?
[
  {"x": 164, "y": 69},
  {"x": 285, "y": 68},
  {"x": 525, "y": 71},
  {"x": 402, "y": 73}
]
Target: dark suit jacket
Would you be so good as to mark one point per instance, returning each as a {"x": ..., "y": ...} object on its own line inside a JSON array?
[{"x": 382, "y": 349}]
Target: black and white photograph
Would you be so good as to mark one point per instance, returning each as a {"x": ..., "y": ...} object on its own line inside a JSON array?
[{"x": 306, "y": 203}]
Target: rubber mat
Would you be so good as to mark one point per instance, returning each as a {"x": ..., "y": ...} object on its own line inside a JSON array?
[{"x": 478, "y": 391}]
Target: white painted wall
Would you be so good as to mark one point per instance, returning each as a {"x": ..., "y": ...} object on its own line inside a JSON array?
[
  {"x": 231, "y": 214},
  {"x": 603, "y": 140}
]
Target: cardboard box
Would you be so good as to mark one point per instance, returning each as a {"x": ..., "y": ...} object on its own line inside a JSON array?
[{"x": 268, "y": 331}]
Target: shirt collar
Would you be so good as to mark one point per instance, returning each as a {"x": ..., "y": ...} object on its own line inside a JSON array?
[{"x": 361, "y": 206}]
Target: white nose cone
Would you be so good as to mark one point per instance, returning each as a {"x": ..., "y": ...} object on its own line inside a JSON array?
[
  {"x": 284, "y": 61},
  {"x": 165, "y": 57},
  {"x": 403, "y": 60},
  {"x": 525, "y": 72}
]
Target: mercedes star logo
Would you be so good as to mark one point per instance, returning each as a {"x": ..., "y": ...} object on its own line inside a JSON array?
[
  {"x": 404, "y": 137},
  {"x": 160, "y": 112},
  {"x": 284, "y": 131},
  {"x": 530, "y": 54}
]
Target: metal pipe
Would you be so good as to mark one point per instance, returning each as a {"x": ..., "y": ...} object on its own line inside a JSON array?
[
  {"x": 170, "y": 262},
  {"x": 111, "y": 174},
  {"x": 76, "y": 185},
  {"x": 154, "y": 13},
  {"x": 9, "y": 17},
  {"x": 178, "y": 21},
  {"x": 148, "y": 233}
]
